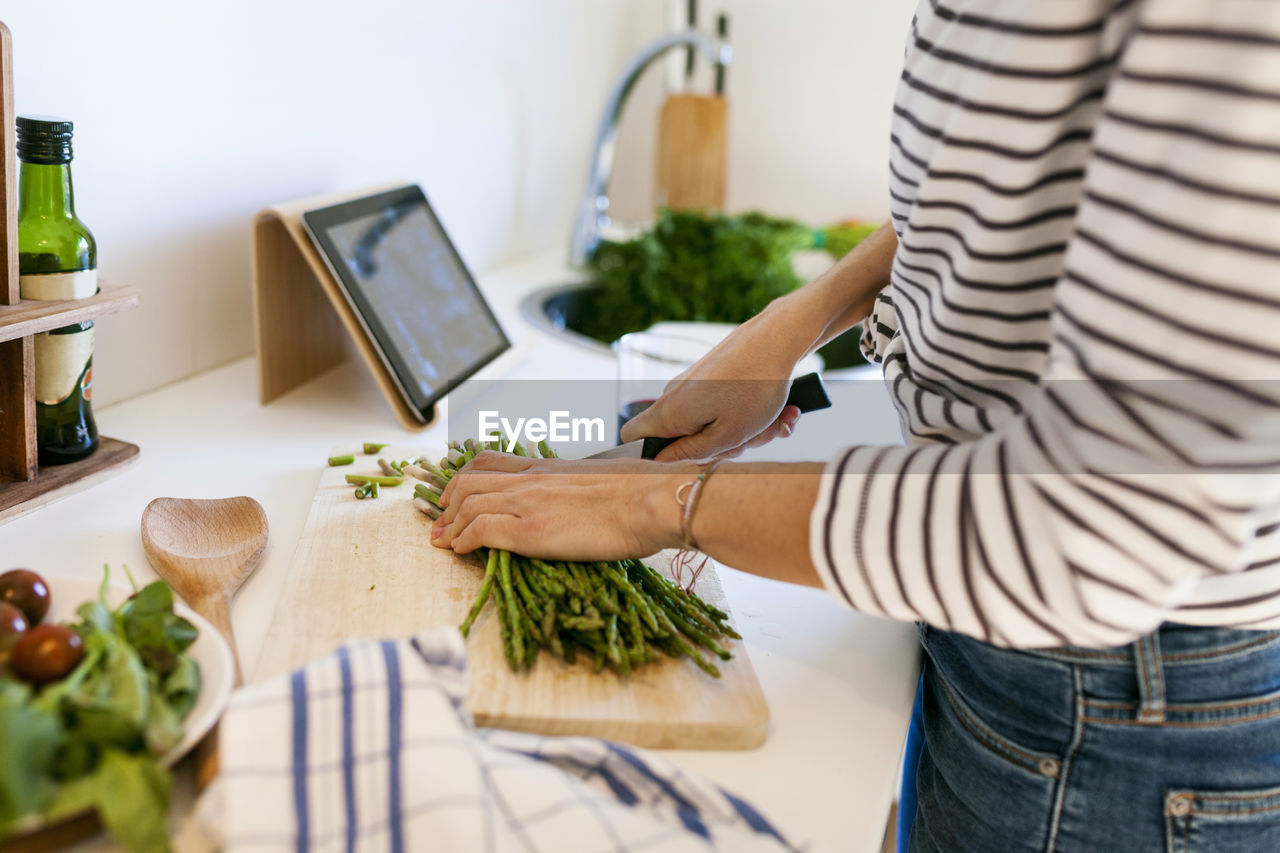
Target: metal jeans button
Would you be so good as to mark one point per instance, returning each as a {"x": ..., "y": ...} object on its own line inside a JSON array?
[
  {"x": 1179, "y": 805},
  {"x": 1049, "y": 767}
]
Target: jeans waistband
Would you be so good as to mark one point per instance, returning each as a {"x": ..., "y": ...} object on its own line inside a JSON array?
[
  {"x": 1177, "y": 645},
  {"x": 1160, "y": 677},
  {"x": 1169, "y": 646}
]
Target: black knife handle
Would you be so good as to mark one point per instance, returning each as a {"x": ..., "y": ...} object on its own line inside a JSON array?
[
  {"x": 807, "y": 394},
  {"x": 653, "y": 446}
]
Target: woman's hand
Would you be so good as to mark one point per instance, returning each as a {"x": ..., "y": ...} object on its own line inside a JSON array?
[
  {"x": 734, "y": 397},
  {"x": 614, "y": 509},
  {"x": 561, "y": 509}
]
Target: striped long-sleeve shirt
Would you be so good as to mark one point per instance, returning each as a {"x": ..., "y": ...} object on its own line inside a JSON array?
[{"x": 1081, "y": 330}]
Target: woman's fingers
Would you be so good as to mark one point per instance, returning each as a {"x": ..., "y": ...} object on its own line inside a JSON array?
[
  {"x": 703, "y": 444},
  {"x": 650, "y": 422},
  {"x": 781, "y": 428},
  {"x": 721, "y": 417},
  {"x": 492, "y": 460},
  {"x": 466, "y": 508},
  {"x": 788, "y": 418},
  {"x": 492, "y": 531},
  {"x": 486, "y": 462},
  {"x": 711, "y": 440},
  {"x": 470, "y": 483}
]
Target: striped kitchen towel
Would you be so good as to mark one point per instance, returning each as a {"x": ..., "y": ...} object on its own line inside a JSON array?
[{"x": 371, "y": 748}]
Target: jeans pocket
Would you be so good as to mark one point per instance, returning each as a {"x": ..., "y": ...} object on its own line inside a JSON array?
[
  {"x": 1032, "y": 762},
  {"x": 978, "y": 790},
  {"x": 1222, "y": 821}
]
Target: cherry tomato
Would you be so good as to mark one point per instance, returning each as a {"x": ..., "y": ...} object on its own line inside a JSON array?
[
  {"x": 13, "y": 624},
  {"x": 46, "y": 653},
  {"x": 26, "y": 590}
]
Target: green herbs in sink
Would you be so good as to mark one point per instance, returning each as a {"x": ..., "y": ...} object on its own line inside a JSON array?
[{"x": 692, "y": 266}]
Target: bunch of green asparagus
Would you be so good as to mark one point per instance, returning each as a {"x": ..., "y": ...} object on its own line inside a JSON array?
[{"x": 619, "y": 614}]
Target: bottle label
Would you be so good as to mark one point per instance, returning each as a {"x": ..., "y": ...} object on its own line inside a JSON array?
[
  {"x": 61, "y": 359},
  {"x": 58, "y": 285}
]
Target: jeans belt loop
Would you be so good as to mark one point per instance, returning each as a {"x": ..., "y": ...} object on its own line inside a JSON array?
[{"x": 1150, "y": 677}]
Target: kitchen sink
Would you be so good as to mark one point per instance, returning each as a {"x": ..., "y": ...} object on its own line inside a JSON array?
[{"x": 554, "y": 310}]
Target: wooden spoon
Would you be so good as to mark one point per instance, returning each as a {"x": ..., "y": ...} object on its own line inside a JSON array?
[{"x": 206, "y": 549}]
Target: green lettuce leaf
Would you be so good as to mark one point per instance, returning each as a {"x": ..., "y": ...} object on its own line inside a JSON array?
[
  {"x": 131, "y": 795},
  {"x": 181, "y": 687},
  {"x": 29, "y": 741},
  {"x": 148, "y": 622},
  {"x": 110, "y": 705}
]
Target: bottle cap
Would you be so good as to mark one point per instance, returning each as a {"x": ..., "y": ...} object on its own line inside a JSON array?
[{"x": 44, "y": 139}]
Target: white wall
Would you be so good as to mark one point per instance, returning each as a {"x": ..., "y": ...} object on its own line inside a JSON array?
[
  {"x": 810, "y": 91},
  {"x": 190, "y": 117}
]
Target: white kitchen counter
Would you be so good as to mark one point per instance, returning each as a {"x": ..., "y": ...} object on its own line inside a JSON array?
[{"x": 839, "y": 684}]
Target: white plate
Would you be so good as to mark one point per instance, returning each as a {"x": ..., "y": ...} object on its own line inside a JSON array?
[{"x": 209, "y": 650}]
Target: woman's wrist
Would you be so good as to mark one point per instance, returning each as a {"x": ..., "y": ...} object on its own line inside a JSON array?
[
  {"x": 806, "y": 318},
  {"x": 845, "y": 294},
  {"x": 728, "y": 521},
  {"x": 796, "y": 323},
  {"x": 663, "y": 515}
]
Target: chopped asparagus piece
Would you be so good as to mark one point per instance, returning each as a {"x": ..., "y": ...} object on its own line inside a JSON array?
[
  {"x": 432, "y": 511},
  {"x": 376, "y": 479},
  {"x": 423, "y": 491}
]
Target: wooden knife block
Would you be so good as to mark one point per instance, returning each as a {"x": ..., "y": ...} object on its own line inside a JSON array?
[
  {"x": 301, "y": 319},
  {"x": 692, "y": 146}
]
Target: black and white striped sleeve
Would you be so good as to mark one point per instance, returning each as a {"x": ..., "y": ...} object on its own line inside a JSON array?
[
  {"x": 1148, "y": 457},
  {"x": 879, "y": 328}
]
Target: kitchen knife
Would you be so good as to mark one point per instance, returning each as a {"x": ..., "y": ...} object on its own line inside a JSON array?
[{"x": 807, "y": 394}]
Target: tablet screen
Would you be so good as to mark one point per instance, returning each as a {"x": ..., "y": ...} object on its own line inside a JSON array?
[{"x": 414, "y": 294}]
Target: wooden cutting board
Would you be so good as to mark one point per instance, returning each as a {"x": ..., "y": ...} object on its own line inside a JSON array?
[{"x": 366, "y": 568}]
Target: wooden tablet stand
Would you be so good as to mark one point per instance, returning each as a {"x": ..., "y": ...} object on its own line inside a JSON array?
[
  {"x": 23, "y": 486},
  {"x": 301, "y": 320}
]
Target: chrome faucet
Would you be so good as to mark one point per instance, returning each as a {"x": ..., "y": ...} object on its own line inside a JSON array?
[{"x": 593, "y": 212}]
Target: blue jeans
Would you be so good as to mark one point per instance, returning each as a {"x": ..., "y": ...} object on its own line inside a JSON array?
[{"x": 1171, "y": 744}]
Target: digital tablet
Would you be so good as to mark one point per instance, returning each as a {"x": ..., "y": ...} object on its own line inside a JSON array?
[{"x": 413, "y": 295}]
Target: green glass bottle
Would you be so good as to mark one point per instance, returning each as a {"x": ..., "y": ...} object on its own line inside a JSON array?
[{"x": 57, "y": 259}]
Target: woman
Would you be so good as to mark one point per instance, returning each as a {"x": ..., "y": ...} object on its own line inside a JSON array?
[{"x": 1076, "y": 307}]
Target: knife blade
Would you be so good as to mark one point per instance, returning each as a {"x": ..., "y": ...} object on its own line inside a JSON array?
[{"x": 807, "y": 393}]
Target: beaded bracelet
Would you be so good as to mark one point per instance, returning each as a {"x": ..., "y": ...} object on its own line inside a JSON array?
[{"x": 688, "y": 495}]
